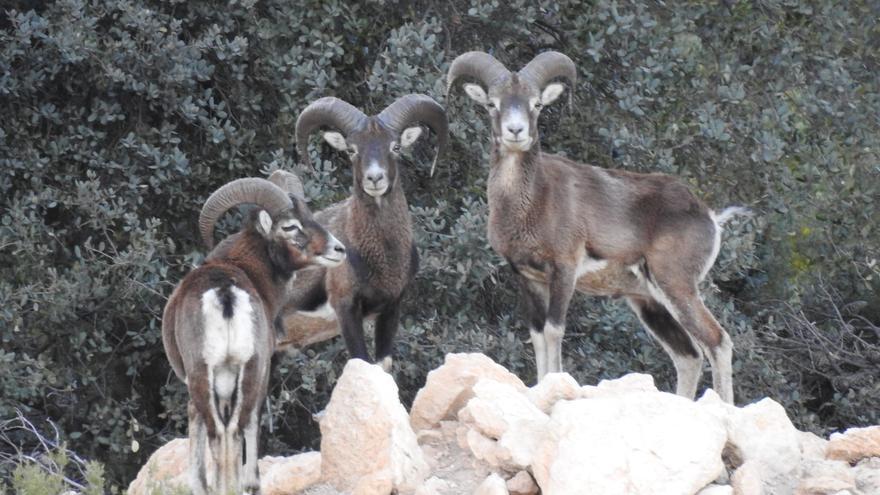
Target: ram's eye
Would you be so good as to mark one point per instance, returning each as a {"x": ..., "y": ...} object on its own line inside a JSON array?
[
  {"x": 491, "y": 104},
  {"x": 396, "y": 148},
  {"x": 538, "y": 105},
  {"x": 351, "y": 152},
  {"x": 290, "y": 228}
]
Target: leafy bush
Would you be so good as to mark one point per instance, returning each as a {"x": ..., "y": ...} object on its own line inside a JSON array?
[{"x": 120, "y": 116}]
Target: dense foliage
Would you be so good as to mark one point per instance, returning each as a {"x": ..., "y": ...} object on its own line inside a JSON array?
[{"x": 119, "y": 117}]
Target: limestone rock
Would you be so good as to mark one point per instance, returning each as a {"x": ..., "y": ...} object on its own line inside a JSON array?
[
  {"x": 366, "y": 433},
  {"x": 636, "y": 443},
  {"x": 855, "y": 444},
  {"x": 496, "y": 406},
  {"x": 763, "y": 433},
  {"x": 165, "y": 470},
  {"x": 747, "y": 479},
  {"x": 449, "y": 387},
  {"x": 551, "y": 389},
  {"x": 716, "y": 490},
  {"x": 492, "y": 485},
  {"x": 289, "y": 475},
  {"x": 867, "y": 475},
  {"x": 433, "y": 486},
  {"x": 522, "y": 484}
]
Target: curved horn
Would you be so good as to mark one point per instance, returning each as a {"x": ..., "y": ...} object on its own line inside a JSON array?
[
  {"x": 329, "y": 111},
  {"x": 419, "y": 109},
  {"x": 260, "y": 192},
  {"x": 289, "y": 182},
  {"x": 479, "y": 65},
  {"x": 550, "y": 65}
]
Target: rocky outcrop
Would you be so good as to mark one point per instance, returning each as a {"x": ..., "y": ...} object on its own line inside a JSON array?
[{"x": 475, "y": 428}]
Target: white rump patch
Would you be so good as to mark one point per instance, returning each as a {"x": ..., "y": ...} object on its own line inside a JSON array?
[{"x": 228, "y": 341}]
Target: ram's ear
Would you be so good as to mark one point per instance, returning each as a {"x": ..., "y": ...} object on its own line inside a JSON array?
[
  {"x": 476, "y": 93},
  {"x": 551, "y": 93},
  {"x": 264, "y": 223},
  {"x": 336, "y": 140},
  {"x": 409, "y": 136}
]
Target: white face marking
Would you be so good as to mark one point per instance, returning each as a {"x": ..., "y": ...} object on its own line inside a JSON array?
[
  {"x": 515, "y": 129},
  {"x": 375, "y": 188},
  {"x": 331, "y": 256},
  {"x": 229, "y": 341}
]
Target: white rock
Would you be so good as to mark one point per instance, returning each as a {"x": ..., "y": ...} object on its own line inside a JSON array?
[
  {"x": 762, "y": 432},
  {"x": 165, "y": 470},
  {"x": 635, "y": 443},
  {"x": 496, "y": 406},
  {"x": 449, "y": 387},
  {"x": 716, "y": 490},
  {"x": 492, "y": 485},
  {"x": 867, "y": 474},
  {"x": 433, "y": 486},
  {"x": 289, "y": 475},
  {"x": 747, "y": 479},
  {"x": 366, "y": 436},
  {"x": 551, "y": 389},
  {"x": 522, "y": 484}
]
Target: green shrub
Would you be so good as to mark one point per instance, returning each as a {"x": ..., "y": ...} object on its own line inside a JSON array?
[{"x": 120, "y": 116}]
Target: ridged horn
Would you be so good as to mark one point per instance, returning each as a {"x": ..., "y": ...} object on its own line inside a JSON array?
[
  {"x": 257, "y": 191},
  {"x": 289, "y": 182},
  {"x": 418, "y": 109},
  {"x": 479, "y": 65},
  {"x": 328, "y": 111},
  {"x": 547, "y": 66}
]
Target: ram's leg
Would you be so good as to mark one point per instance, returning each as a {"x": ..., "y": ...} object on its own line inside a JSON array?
[
  {"x": 197, "y": 438},
  {"x": 386, "y": 327},
  {"x": 680, "y": 296},
  {"x": 686, "y": 356},
  {"x": 533, "y": 301},
  {"x": 351, "y": 325},
  {"x": 562, "y": 281},
  {"x": 252, "y": 396}
]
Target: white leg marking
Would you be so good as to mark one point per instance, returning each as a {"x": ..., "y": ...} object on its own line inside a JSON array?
[
  {"x": 721, "y": 359},
  {"x": 387, "y": 362},
  {"x": 251, "y": 439},
  {"x": 553, "y": 337},
  {"x": 540, "y": 353},
  {"x": 197, "y": 440}
]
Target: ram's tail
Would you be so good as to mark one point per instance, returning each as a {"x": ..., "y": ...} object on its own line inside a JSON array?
[{"x": 728, "y": 213}]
